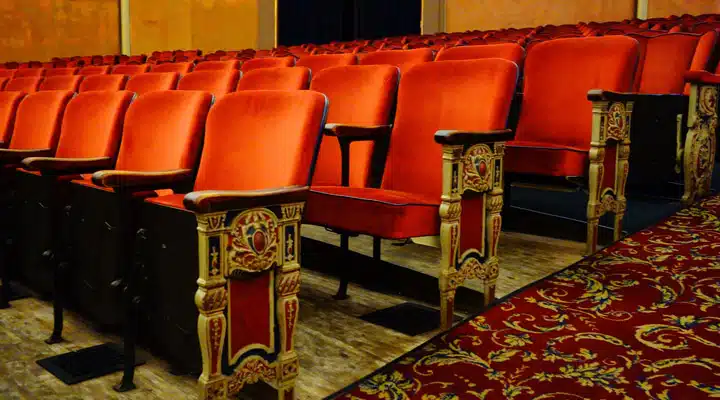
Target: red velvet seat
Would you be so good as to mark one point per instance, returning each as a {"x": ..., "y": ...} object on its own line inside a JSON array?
[
  {"x": 27, "y": 85},
  {"x": 359, "y": 96},
  {"x": 3, "y": 83},
  {"x": 470, "y": 96},
  {"x": 508, "y": 51},
  {"x": 94, "y": 70},
  {"x": 152, "y": 81},
  {"x": 280, "y": 78},
  {"x": 103, "y": 82},
  {"x": 320, "y": 62},
  {"x": 403, "y": 59},
  {"x": 267, "y": 62},
  {"x": 7, "y": 73},
  {"x": 37, "y": 121},
  {"x": 9, "y": 102},
  {"x": 29, "y": 72},
  {"x": 230, "y": 65},
  {"x": 130, "y": 69},
  {"x": 218, "y": 82},
  {"x": 181, "y": 68},
  {"x": 62, "y": 82},
  {"x": 61, "y": 71}
]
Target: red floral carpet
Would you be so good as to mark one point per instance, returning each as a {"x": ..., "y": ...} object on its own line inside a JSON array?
[{"x": 638, "y": 320}]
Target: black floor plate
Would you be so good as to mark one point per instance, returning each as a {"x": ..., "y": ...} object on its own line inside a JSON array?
[
  {"x": 92, "y": 362},
  {"x": 409, "y": 318}
]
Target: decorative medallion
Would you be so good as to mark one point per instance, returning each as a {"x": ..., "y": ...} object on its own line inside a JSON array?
[
  {"x": 708, "y": 100},
  {"x": 616, "y": 122},
  {"x": 251, "y": 370},
  {"x": 477, "y": 163},
  {"x": 253, "y": 241}
]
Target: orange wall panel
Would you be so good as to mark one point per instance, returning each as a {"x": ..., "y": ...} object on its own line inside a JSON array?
[
  {"x": 193, "y": 24},
  {"x": 42, "y": 29},
  {"x": 664, "y": 8},
  {"x": 462, "y": 15}
]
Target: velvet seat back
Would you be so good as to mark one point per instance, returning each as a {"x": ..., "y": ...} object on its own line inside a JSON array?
[
  {"x": 362, "y": 95},
  {"x": 403, "y": 59},
  {"x": 92, "y": 124},
  {"x": 558, "y": 75},
  {"x": 267, "y": 62},
  {"x": 29, "y": 84},
  {"x": 261, "y": 139},
  {"x": 152, "y": 82},
  {"x": 130, "y": 69},
  {"x": 320, "y": 62},
  {"x": 219, "y": 82},
  {"x": 508, "y": 51},
  {"x": 62, "y": 82},
  {"x": 103, "y": 82},
  {"x": 9, "y": 103},
  {"x": 38, "y": 119},
  {"x": 94, "y": 70},
  {"x": 280, "y": 78},
  {"x": 61, "y": 71},
  {"x": 472, "y": 95},
  {"x": 181, "y": 68},
  {"x": 229, "y": 65},
  {"x": 163, "y": 131},
  {"x": 29, "y": 72}
]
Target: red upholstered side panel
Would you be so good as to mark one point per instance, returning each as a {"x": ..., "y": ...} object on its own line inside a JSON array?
[
  {"x": 472, "y": 223},
  {"x": 609, "y": 167},
  {"x": 251, "y": 315}
]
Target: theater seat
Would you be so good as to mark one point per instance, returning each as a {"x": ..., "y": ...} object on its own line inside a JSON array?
[
  {"x": 181, "y": 68},
  {"x": 359, "y": 95},
  {"x": 219, "y": 83},
  {"x": 94, "y": 70},
  {"x": 3, "y": 83},
  {"x": 267, "y": 62},
  {"x": 7, "y": 73},
  {"x": 152, "y": 81},
  {"x": 103, "y": 82},
  {"x": 558, "y": 133},
  {"x": 89, "y": 139},
  {"x": 281, "y": 78},
  {"x": 9, "y": 102},
  {"x": 130, "y": 69},
  {"x": 403, "y": 59},
  {"x": 421, "y": 181},
  {"x": 230, "y": 65},
  {"x": 29, "y": 72},
  {"x": 508, "y": 51},
  {"x": 27, "y": 85},
  {"x": 255, "y": 196},
  {"x": 60, "y": 71},
  {"x": 320, "y": 62},
  {"x": 62, "y": 82}
]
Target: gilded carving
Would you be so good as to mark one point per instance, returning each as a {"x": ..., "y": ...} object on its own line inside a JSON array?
[
  {"x": 477, "y": 168},
  {"x": 289, "y": 283},
  {"x": 253, "y": 243},
  {"x": 251, "y": 370},
  {"x": 292, "y": 211},
  {"x": 616, "y": 122},
  {"x": 214, "y": 299},
  {"x": 211, "y": 222},
  {"x": 472, "y": 268},
  {"x": 700, "y": 142}
]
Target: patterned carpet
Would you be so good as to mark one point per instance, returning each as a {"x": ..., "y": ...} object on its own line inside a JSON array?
[{"x": 638, "y": 320}]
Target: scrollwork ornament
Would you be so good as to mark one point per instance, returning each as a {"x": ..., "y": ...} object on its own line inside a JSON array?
[
  {"x": 253, "y": 241},
  {"x": 477, "y": 168},
  {"x": 616, "y": 122}
]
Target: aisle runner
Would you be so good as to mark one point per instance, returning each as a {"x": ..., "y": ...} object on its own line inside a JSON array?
[{"x": 638, "y": 320}]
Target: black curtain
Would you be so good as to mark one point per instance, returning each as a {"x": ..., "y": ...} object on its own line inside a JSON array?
[{"x": 324, "y": 21}]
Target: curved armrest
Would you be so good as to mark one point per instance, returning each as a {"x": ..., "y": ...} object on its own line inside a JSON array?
[
  {"x": 702, "y": 77},
  {"x": 668, "y": 99},
  {"x": 222, "y": 200},
  {"x": 15, "y": 156},
  {"x": 140, "y": 180},
  {"x": 66, "y": 166},
  {"x": 357, "y": 132},
  {"x": 469, "y": 138}
]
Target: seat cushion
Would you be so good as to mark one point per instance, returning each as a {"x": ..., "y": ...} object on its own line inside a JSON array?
[
  {"x": 384, "y": 213},
  {"x": 171, "y": 200},
  {"x": 524, "y": 157}
]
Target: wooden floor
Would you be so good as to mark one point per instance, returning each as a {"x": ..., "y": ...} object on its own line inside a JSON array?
[{"x": 335, "y": 346}]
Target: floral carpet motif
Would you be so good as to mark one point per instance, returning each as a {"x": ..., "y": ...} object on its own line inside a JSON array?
[{"x": 637, "y": 320}]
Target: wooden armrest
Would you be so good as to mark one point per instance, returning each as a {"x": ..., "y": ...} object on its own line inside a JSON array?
[
  {"x": 15, "y": 156},
  {"x": 66, "y": 166},
  {"x": 141, "y": 180},
  {"x": 357, "y": 132},
  {"x": 223, "y": 200},
  {"x": 702, "y": 77},
  {"x": 453, "y": 137}
]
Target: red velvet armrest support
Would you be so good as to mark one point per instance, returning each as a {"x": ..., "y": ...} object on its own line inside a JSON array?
[
  {"x": 452, "y": 137},
  {"x": 141, "y": 180},
  {"x": 15, "y": 156},
  {"x": 207, "y": 201},
  {"x": 66, "y": 166},
  {"x": 702, "y": 77},
  {"x": 357, "y": 133}
]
